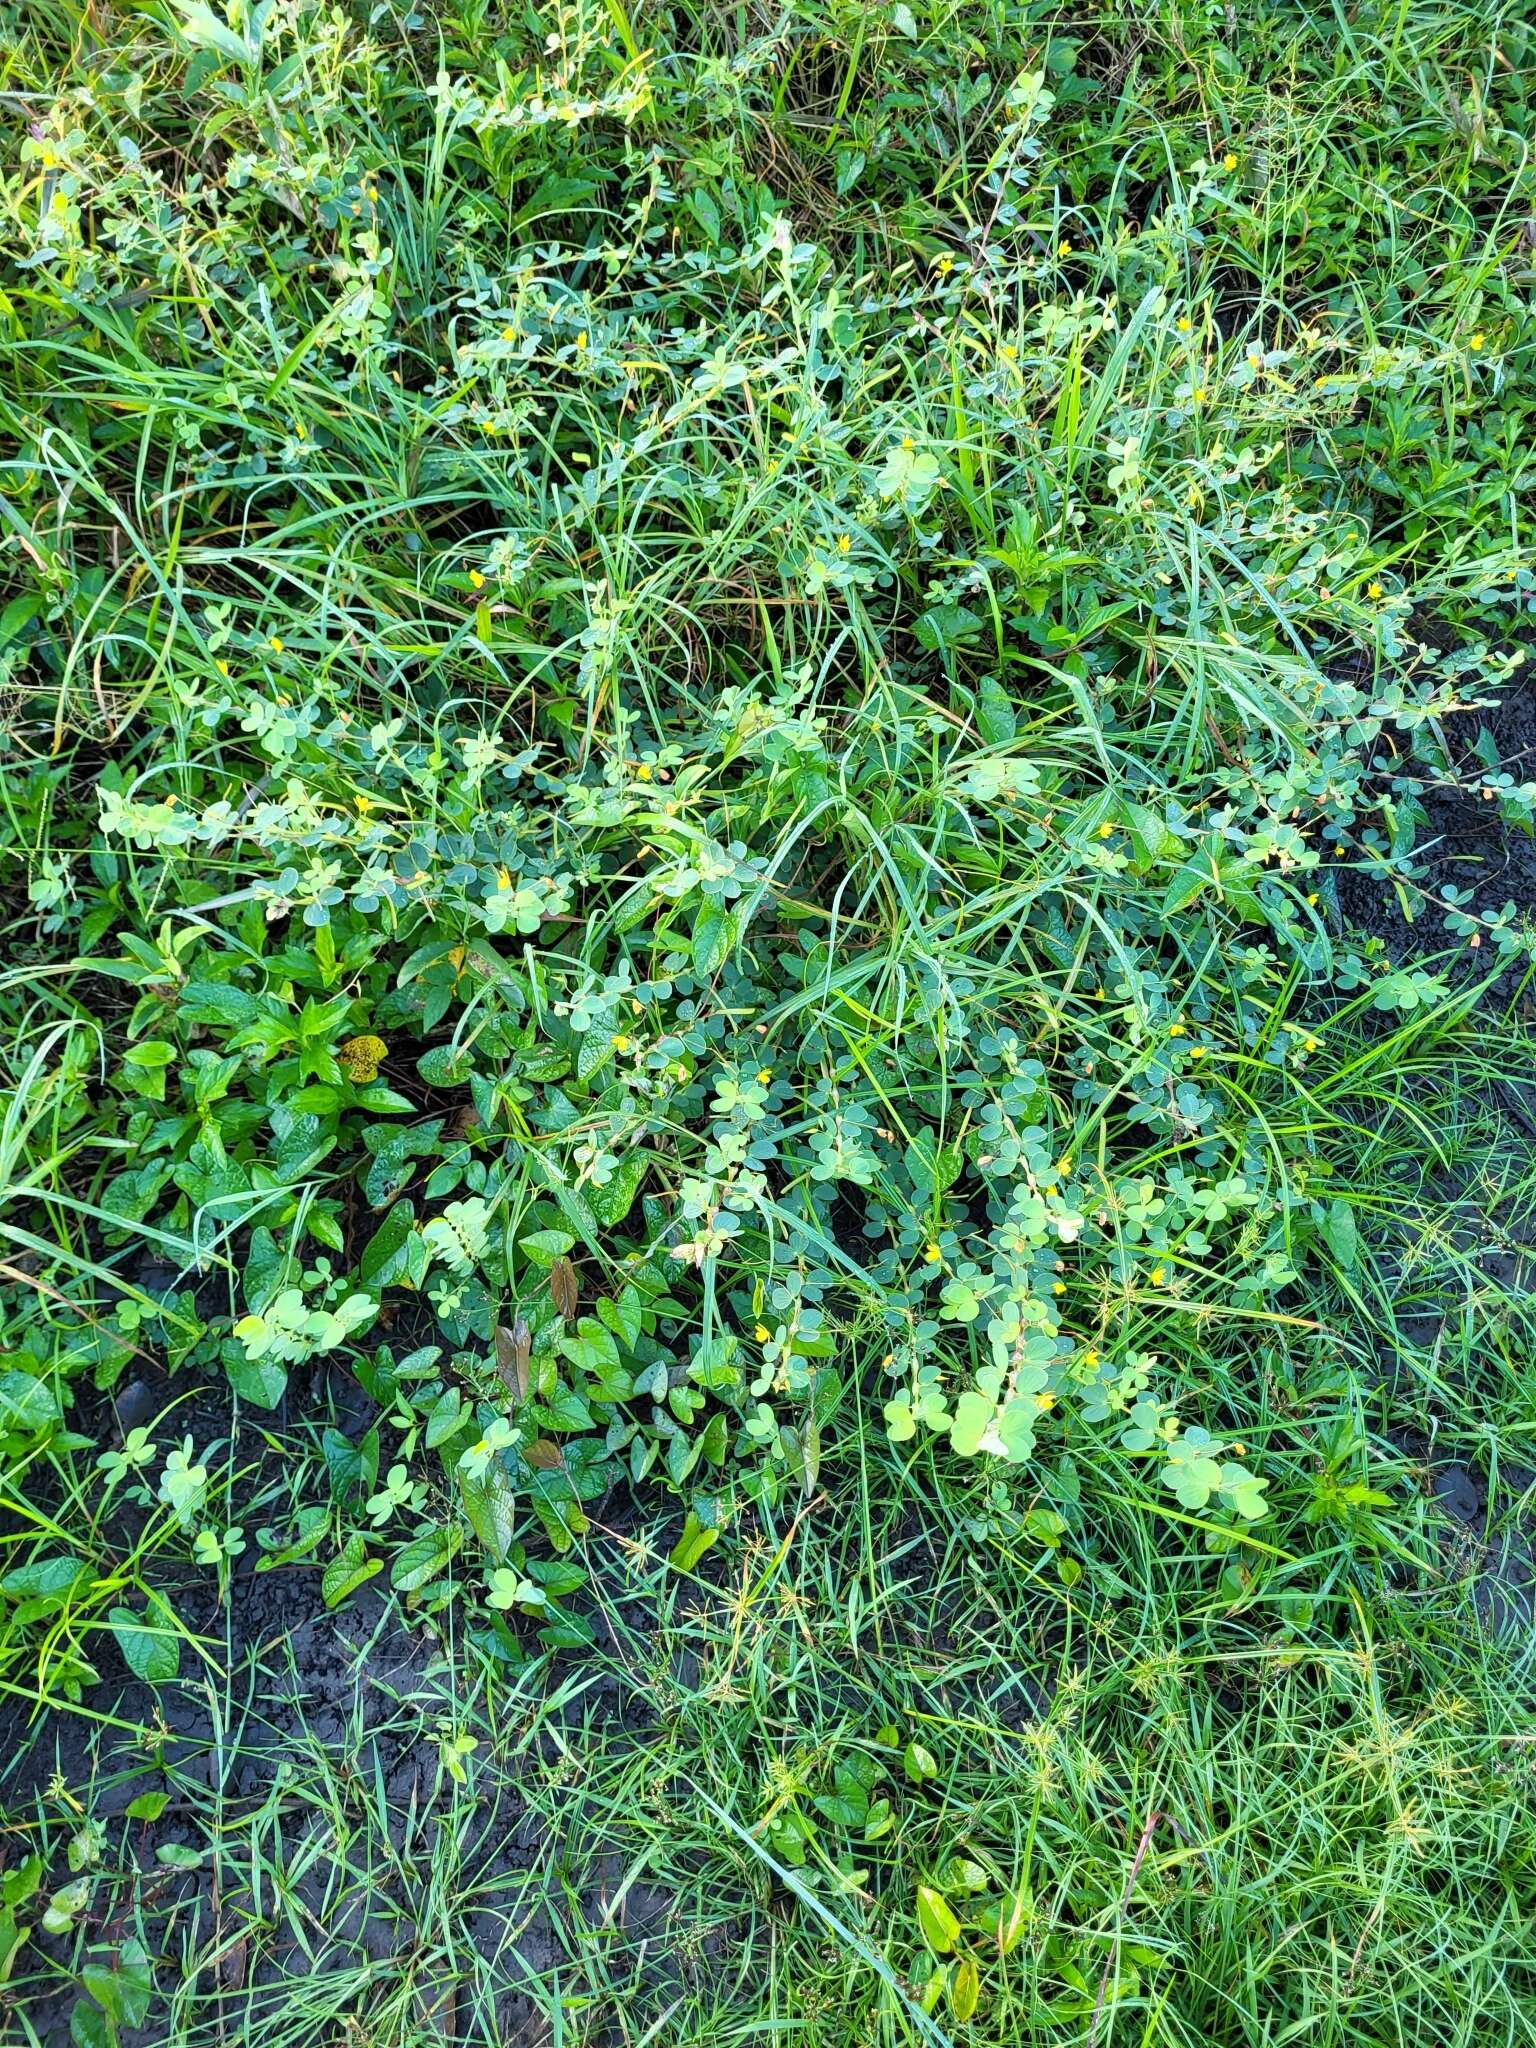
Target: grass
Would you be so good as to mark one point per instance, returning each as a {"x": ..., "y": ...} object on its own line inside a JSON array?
[
  {"x": 767, "y": 1169},
  {"x": 1309, "y": 1803}
]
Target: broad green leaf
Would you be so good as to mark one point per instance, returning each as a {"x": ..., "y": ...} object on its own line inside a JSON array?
[
  {"x": 151, "y": 1650},
  {"x": 936, "y": 1919}
]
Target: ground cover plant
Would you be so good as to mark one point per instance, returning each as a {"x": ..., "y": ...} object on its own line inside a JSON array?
[{"x": 768, "y": 1145}]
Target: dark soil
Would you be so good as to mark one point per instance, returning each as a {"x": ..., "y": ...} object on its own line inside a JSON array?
[
  {"x": 299, "y": 1708},
  {"x": 1465, "y": 842},
  {"x": 321, "y": 1711}
]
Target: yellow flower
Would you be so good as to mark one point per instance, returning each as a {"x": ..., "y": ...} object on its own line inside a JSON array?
[
  {"x": 944, "y": 265},
  {"x": 1310, "y": 1044},
  {"x": 222, "y": 667},
  {"x": 843, "y": 543},
  {"x": 1090, "y": 1356},
  {"x": 1063, "y": 247},
  {"x": 275, "y": 644},
  {"x": 642, "y": 771},
  {"x": 1106, "y": 830},
  {"x": 360, "y": 1057},
  {"x": 1176, "y": 1030},
  {"x": 1198, "y": 1052},
  {"x": 1312, "y": 898},
  {"x": 1198, "y": 394},
  {"x": 477, "y": 579},
  {"x": 364, "y": 803},
  {"x": 621, "y": 1041},
  {"x": 581, "y": 339},
  {"x": 1476, "y": 341},
  {"x": 1009, "y": 352},
  {"x": 908, "y": 444},
  {"x": 1184, "y": 323},
  {"x": 1159, "y": 1275},
  {"x": 509, "y": 334},
  {"x": 765, "y": 1075},
  {"x": 1374, "y": 590},
  {"x": 1229, "y": 161},
  {"x": 1058, "y": 1287},
  {"x": 503, "y": 878},
  {"x": 1045, "y": 1401},
  {"x": 932, "y": 1253},
  {"x": 761, "y": 1333}
]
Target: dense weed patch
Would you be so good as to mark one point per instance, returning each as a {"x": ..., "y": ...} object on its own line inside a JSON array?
[{"x": 688, "y": 700}]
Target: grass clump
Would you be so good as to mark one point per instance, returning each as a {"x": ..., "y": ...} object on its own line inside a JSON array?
[{"x": 730, "y": 744}]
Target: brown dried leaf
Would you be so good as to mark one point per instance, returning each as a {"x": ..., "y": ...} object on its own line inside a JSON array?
[
  {"x": 564, "y": 1290},
  {"x": 545, "y": 1456},
  {"x": 513, "y": 1350}
]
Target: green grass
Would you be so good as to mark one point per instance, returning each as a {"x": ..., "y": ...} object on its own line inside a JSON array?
[{"x": 687, "y": 694}]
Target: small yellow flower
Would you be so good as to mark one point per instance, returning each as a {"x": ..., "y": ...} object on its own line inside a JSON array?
[
  {"x": 944, "y": 265},
  {"x": 1045, "y": 1402},
  {"x": 275, "y": 644},
  {"x": 363, "y": 803},
  {"x": 1009, "y": 352},
  {"x": 477, "y": 579},
  {"x": 1159, "y": 1275},
  {"x": 1198, "y": 1052},
  {"x": 503, "y": 878},
  {"x": 1310, "y": 1044},
  {"x": 642, "y": 771},
  {"x": 1229, "y": 161},
  {"x": 1090, "y": 1356},
  {"x": 509, "y": 334},
  {"x": 932, "y": 1253},
  {"x": 1476, "y": 342},
  {"x": 222, "y": 667},
  {"x": 581, "y": 339},
  {"x": 1064, "y": 1168},
  {"x": 621, "y": 1041},
  {"x": 843, "y": 543},
  {"x": 765, "y": 1075},
  {"x": 908, "y": 444},
  {"x": 1063, "y": 247},
  {"x": 1050, "y": 1187},
  {"x": 1184, "y": 323},
  {"x": 1058, "y": 1287},
  {"x": 1198, "y": 394},
  {"x": 1176, "y": 1030},
  {"x": 761, "y": 1333}
]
